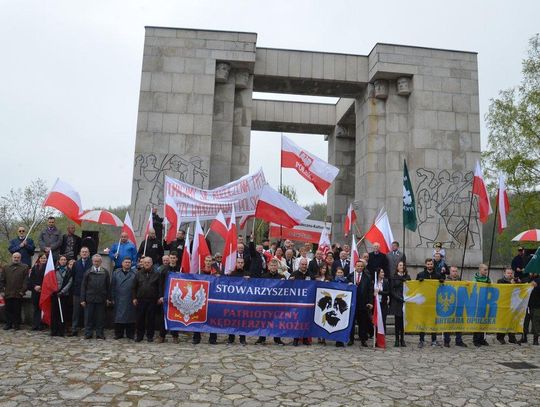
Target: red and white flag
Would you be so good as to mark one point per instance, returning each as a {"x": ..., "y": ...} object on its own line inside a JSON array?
[
  {"x": 173, "y": 219},
  {"x": 380, "y": 232},
  {"x": 317, "y": 171},
  {"x": 149, "y": 225},
  {"x": 231, "y": 245},
  {"x": 274, "y": 207},
  {"x": 355, "y": 256},
  {"x": 185, "y": 265},
  {"x": 128, "y": 228},
  {"x": 324, "y": 242},
  {"x": 64, "y": 198},
  {"x": 244, "y": 219},
  {"x": 48, "y": 287},
  {"x": 480, "y": 189},
  {"x": 350, "y": 220},
  {"x": 219, "y": 225},
  {"x": 380, "y": 340},
  {"x": 503, "y": 203},
  {"x": 200, "y": 249}
]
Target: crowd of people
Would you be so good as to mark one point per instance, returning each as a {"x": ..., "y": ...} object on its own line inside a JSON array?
[{"x": 135, "y": 288}]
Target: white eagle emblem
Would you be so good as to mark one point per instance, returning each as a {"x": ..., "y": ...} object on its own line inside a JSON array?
[{"x": 188, "y": 305}]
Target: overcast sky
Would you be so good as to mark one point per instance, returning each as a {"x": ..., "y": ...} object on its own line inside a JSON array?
[{"x": 70, "y": 72}]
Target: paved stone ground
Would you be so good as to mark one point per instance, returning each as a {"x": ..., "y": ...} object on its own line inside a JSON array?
[{"x": 40, "y": 370}]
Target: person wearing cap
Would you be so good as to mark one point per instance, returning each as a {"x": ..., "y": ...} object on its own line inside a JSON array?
[{"x": 518, "y": 264}]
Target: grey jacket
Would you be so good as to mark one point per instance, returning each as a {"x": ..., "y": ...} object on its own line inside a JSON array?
[
  {"x": 121, "y": 294},
  {"x": 50, "y": 238},
  {"x": 95, "y": 286}
]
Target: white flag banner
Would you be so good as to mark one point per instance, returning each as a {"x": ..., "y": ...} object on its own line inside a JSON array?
[{"x": 193, "y": 202}]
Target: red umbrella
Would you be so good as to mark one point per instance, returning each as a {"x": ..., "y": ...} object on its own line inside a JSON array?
[
  {"x": 101, "y": 217},
  {"x": 531, "y": 235}
]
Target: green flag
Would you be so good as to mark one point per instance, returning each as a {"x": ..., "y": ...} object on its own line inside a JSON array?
[
  {"x": 409, "y": 206},
  {"x": 533, "y": 266}
]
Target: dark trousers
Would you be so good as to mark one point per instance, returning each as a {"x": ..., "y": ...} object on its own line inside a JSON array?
[
  {"x": 263, "y": 338},
  {"x": 119, "y": 330},
  {"x": 76, "y": 313},
  {"x": 399, "y": 329},
  {"x": 478, "y": 337},
  {"x": 58, "y": 328},
  {"x": 13, "y": 312},
  {"x": 197, "y": 337},
  {"x": 232, "y": 338},
  {"x": 526, "y": 323},
  {"x": 459, "y": 339},
  {"x": 94, "y": 318},
  {"x": 362, "y": 319},
  {"x": 36, "y": 315},
  {"x": 423, "y": 335},
  {"x": 511, "y": 337},
  {"x": 162, "y": 330},
  {"x": 146, "y": 318}
]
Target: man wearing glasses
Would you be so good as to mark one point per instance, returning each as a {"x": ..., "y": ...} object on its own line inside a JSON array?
[{"x": 23, "y": 245}]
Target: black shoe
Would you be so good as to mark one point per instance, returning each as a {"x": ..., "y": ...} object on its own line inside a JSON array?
[
  {"x": 402, "y": 343},
  {"x": 477, "y": 344},
  {"x": 523, "y": 340},
  {"x": 364, "y": 344},
  {"x": 305, "y": 341},
  {"x": 131, "y": 337},
  {"x": 484, "y": 343},
  {"x": 295, "y": 342},
  {"x": 7, "y": 327},
  {"x": 138, "y": 340},
  {"x": 461, "y": 344},
  {"x": 501, "y": 341},
  {"x": 243, "y": 343},
  {"x": 350, "y": 343},
  {"x": 212, "y": 342},
  {"x": 195, "y": 341},
  {"x": 447, "y": 344},
  {"x": 230, "y": 341},
  {"x": 116, "y": 337},
  {"x": 278, "y": 342},
  {"x": 535, "y": 342},
  {"x": 340, "y": 345},
  {"x": 150, "y": 340},
  {"x": 260, "y": 341},
  {"x": 100, "y": 337},
  {"x": 87, "y": 336},
  {"x": 35, "y": 328},
  {"x": 74, "y": 333}
]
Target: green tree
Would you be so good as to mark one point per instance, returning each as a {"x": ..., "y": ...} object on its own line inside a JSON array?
[
  {"x": 317, "y": 211},
  {"x": 289, "y": 191}
]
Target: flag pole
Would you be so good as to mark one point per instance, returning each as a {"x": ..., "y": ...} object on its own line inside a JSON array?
[
  {"x": 493, "y": 235},
  {"x": 467, "y": 231},
  {"x": 60, "y": 308},
  {"x": 118, "y": 248},
  {"x": 145, "y": 243},
  {"x": 281, "y": 179}
]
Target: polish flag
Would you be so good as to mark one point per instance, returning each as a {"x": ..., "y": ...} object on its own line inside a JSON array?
[
  {"x": 324, "y": 242},
  {"x": 185, "y": 265},
  {"x": 350, "y": 220},
  {"x": 355, "y": 256},
  {"x": 48, "y": 287},
  {"x": 380, "y": 340},
  {"x": 128, "y": 228},
  {"x": 244, "y": 219},
  {"x": 173, "y": 219},
  {"x": 317, "y": 171},
  {"x": 480, "y": 189},
  {"x": 219, "y": 225},
  {"x": 274, "y": 207},
  {"x": 200, "y": 249},
  {"x": 503, "y": 203},
  {"x": 231, "y": 245},
  {"x": 381, "y": 233},
  {"x": 64, "y": 198},
  {"x": 149, "y": 225}
]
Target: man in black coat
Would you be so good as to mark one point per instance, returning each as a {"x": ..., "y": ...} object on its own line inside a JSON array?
[
  {"x": 271, "y": 274},
  {"x": 429, "y": 273},
  {"x": 242, "y": 253},
  {"x": 237, "y": 272},
  {"x": 154, "y": 249},
  {"x": 80, "y": 267},
  {"x": 71, "y": 243},
  {"x": 315, "y": 264},
  {"x": 364, "y": 301},
  {"x": 146, "y": 297},
  {"x": 95, "y": 295},
  {"x": 157, "y": 223},
  {"x": 178, "y": 244},
  {"x": 257, "y": 260},
  {"x": 376, "y": 261},
  {"x": 342, "y": 262}
]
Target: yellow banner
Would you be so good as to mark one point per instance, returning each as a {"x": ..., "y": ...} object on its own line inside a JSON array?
[{"x": 464, "y": 306}]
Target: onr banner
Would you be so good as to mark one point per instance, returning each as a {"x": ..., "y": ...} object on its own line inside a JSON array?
[
  {"x": 464, "y": 306},
  {"x": 206, "y": 203},
  {"x": 308, "y": 231}
]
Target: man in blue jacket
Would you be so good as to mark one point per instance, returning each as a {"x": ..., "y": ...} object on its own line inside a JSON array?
[
  {"x": 23, "y": 246},
  {"x": 118, "y": 252},
  {"x": 80, "y": 267}
]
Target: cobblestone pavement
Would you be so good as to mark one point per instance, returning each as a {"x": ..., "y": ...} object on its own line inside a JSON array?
[{"x": 40, "y": 370}]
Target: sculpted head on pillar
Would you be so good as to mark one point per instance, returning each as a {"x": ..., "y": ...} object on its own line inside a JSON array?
[
  {"x": 381, "y": 89},
  {"x": 222, "y": 72},
  {"x": 403, "y": 86},
  {"x": 242, "y": 79}
]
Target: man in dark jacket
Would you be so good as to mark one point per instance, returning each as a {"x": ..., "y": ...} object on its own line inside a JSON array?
[
  {"x": 534, "y": 307},
  {"x": 165, "y": 270},
  {"x": 376, "y": 261},
  {"x": 154, "y": 249},
  {"x": 50, "y": 238},
  {"x": 71, "y": 243},
  {"x": 178, "y": 244},
  {"x": 342, "y": 262},
  {"x": 272, "y": 274},
  {"x": 237, "y": 272},
  {"x": 80, "y": 267},
  {"x": 241, "y": 253},
  {"x": 258, "y": 260},
  {"x": 23, "y": 245},
  {"x": 94, "y": 298},
  {"x": 519, "y": 262},
  {"x": 453, "y": 275},
  {"x": 315, "y": 264},
  {"x": 364, "y": 301},
  {"x": 13, "y": 283},
  {"x": 508, "y": 278},
  {"x": 146, "y": 295},
  {"x": 429, "y": 273},
  {"x": 121, "y": 292}
]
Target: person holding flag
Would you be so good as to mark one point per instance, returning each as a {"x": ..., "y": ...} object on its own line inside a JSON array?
[
  {"x": 364, "y": 298},
  {"x": 122, "y": 249},
  {"x": 59, "y": 297},
  {"x": 397, "y": 280},
  {"x": 35, "y": 282}
]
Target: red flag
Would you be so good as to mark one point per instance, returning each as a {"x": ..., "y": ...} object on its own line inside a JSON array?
[
  {"x": 48, "y": 287},
  {"x": 324, "y": 242},
  {"x": 128, "y": 228},
  {"x": 480, "y": 189},
  {"x": 503, "y": 203},
  {"x": 350, "y": 220},
  {"x": 231, "y": 245},
  {"x": 219, "y": 225},
  {"x": 317, "y": 171},
  {"x": 200, "y": 249},
  {"x": 380, "y": 340},
  {"x": 185, "y": 266},
  {"x": 381, "y": 233},
  {"x": 173, "y": 218},
  {"x": 355, "y": 256},
  {"x": 274, "y": 207},
  {"x": 244, "y": 219},
  {"x": 64, "y": 198}
]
